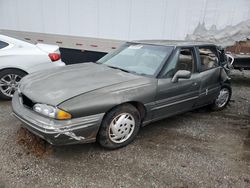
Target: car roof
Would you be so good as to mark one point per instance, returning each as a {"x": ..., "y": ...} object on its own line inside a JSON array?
[{"x": 174, "y": 42}]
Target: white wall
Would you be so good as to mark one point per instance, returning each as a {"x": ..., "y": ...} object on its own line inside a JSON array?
[{"x": 121, "y": 19}]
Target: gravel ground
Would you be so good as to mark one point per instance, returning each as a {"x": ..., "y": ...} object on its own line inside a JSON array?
[{"x": 196, "y": 149}]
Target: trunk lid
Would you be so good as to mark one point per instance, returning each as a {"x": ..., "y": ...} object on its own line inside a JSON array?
[{"x": 47, "y": 48}]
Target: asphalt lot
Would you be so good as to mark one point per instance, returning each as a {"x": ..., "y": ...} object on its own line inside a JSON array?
[{"x": 196, "y": 149}]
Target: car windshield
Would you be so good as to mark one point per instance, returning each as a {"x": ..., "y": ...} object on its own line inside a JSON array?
[{"x": 142, "y": 59}]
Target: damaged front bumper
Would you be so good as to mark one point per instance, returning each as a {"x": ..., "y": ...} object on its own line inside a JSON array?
[{"x": 57, "y": 132}]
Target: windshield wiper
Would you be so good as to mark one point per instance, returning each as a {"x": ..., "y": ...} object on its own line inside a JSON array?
[
  {"x": 119, "y": 69},
  {"x": 128, "y": 71}
]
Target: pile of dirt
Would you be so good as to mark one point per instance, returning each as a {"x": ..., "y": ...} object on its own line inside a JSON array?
[{"x": 33, "y": 144}]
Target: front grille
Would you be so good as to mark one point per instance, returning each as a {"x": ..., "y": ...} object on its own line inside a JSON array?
[{"x": 27, "y": 102}]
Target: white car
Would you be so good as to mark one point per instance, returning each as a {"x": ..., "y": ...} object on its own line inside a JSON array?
[{"x": 18, "y": 58}]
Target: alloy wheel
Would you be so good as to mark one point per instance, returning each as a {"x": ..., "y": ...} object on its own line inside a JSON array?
[{"x": 9, "y": 84}]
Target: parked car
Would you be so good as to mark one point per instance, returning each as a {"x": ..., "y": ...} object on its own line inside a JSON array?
[
  {"x": 18, "y": 58},
  {"x": 111, "y": 99}
]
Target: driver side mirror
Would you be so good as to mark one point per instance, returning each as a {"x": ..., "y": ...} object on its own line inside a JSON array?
[{"x": 184, "y": 74}]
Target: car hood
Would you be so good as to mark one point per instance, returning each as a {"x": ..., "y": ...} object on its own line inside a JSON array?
[{"x": 60, "y": 84}]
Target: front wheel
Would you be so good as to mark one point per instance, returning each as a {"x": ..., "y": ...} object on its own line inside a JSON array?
[
  {"x": 222, "y": 99},
  {"x": 9, "y": 81},
  {"x": 119, "y": 127}
]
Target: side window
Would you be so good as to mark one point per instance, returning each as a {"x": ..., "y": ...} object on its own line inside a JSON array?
[
  {"x": 209, "y": 58},
  {"x": 3, "y": 44},
  {"x": 183, "y": 60}
]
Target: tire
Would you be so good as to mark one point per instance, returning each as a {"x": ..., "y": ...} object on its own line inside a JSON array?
[
  {"x": 114, "y": 134},
  {"x": 9, "y": 80},
  {"x": 216, "y": 105}
]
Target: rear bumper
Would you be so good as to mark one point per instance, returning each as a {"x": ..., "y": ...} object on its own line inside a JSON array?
[
  {"x": 59, "y": 63},
  {"x": 57, "y": 132}
]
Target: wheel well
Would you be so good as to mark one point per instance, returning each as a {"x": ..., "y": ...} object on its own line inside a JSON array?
[
  {"x": 139, "y": 106},
  {"x": 13, "y": 69},
  {"x": 227, "y": 85}
]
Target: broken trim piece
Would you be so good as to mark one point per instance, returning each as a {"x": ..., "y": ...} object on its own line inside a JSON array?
[{"x": 71, "y": 135}]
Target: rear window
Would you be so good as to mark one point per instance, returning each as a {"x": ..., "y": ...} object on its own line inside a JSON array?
[{"x": 3, "y": 44}]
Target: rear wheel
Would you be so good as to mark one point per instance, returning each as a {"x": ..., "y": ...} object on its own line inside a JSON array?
[
  {"x": 119, "y": 127},
  {"x": 222, "y": 99},
  {"x": 9, "y": 81}
]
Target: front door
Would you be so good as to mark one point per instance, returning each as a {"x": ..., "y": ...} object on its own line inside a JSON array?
[{"x": 173, "y": 98}]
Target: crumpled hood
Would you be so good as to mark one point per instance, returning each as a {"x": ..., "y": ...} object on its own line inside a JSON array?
[{"x": 60, "y": 84}]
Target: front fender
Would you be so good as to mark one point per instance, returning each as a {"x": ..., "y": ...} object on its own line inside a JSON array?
[{"x": 102, "y": 100}]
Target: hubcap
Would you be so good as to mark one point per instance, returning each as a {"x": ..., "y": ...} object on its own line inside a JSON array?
[
  {"x": 9, "y": 84},
  {"x": 121, "y": 128},
  {"x": 222, "y": 98}
]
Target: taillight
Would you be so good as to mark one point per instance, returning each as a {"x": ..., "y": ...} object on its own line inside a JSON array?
[{"x": 54, "y": 56}]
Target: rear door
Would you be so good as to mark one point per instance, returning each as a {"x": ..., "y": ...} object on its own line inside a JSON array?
[
  {"x": 210, "y": 71},
  {"x": 173, "y": 98}
]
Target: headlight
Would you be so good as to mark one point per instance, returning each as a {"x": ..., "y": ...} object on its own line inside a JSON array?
[{"x": 51, "y": 111}]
